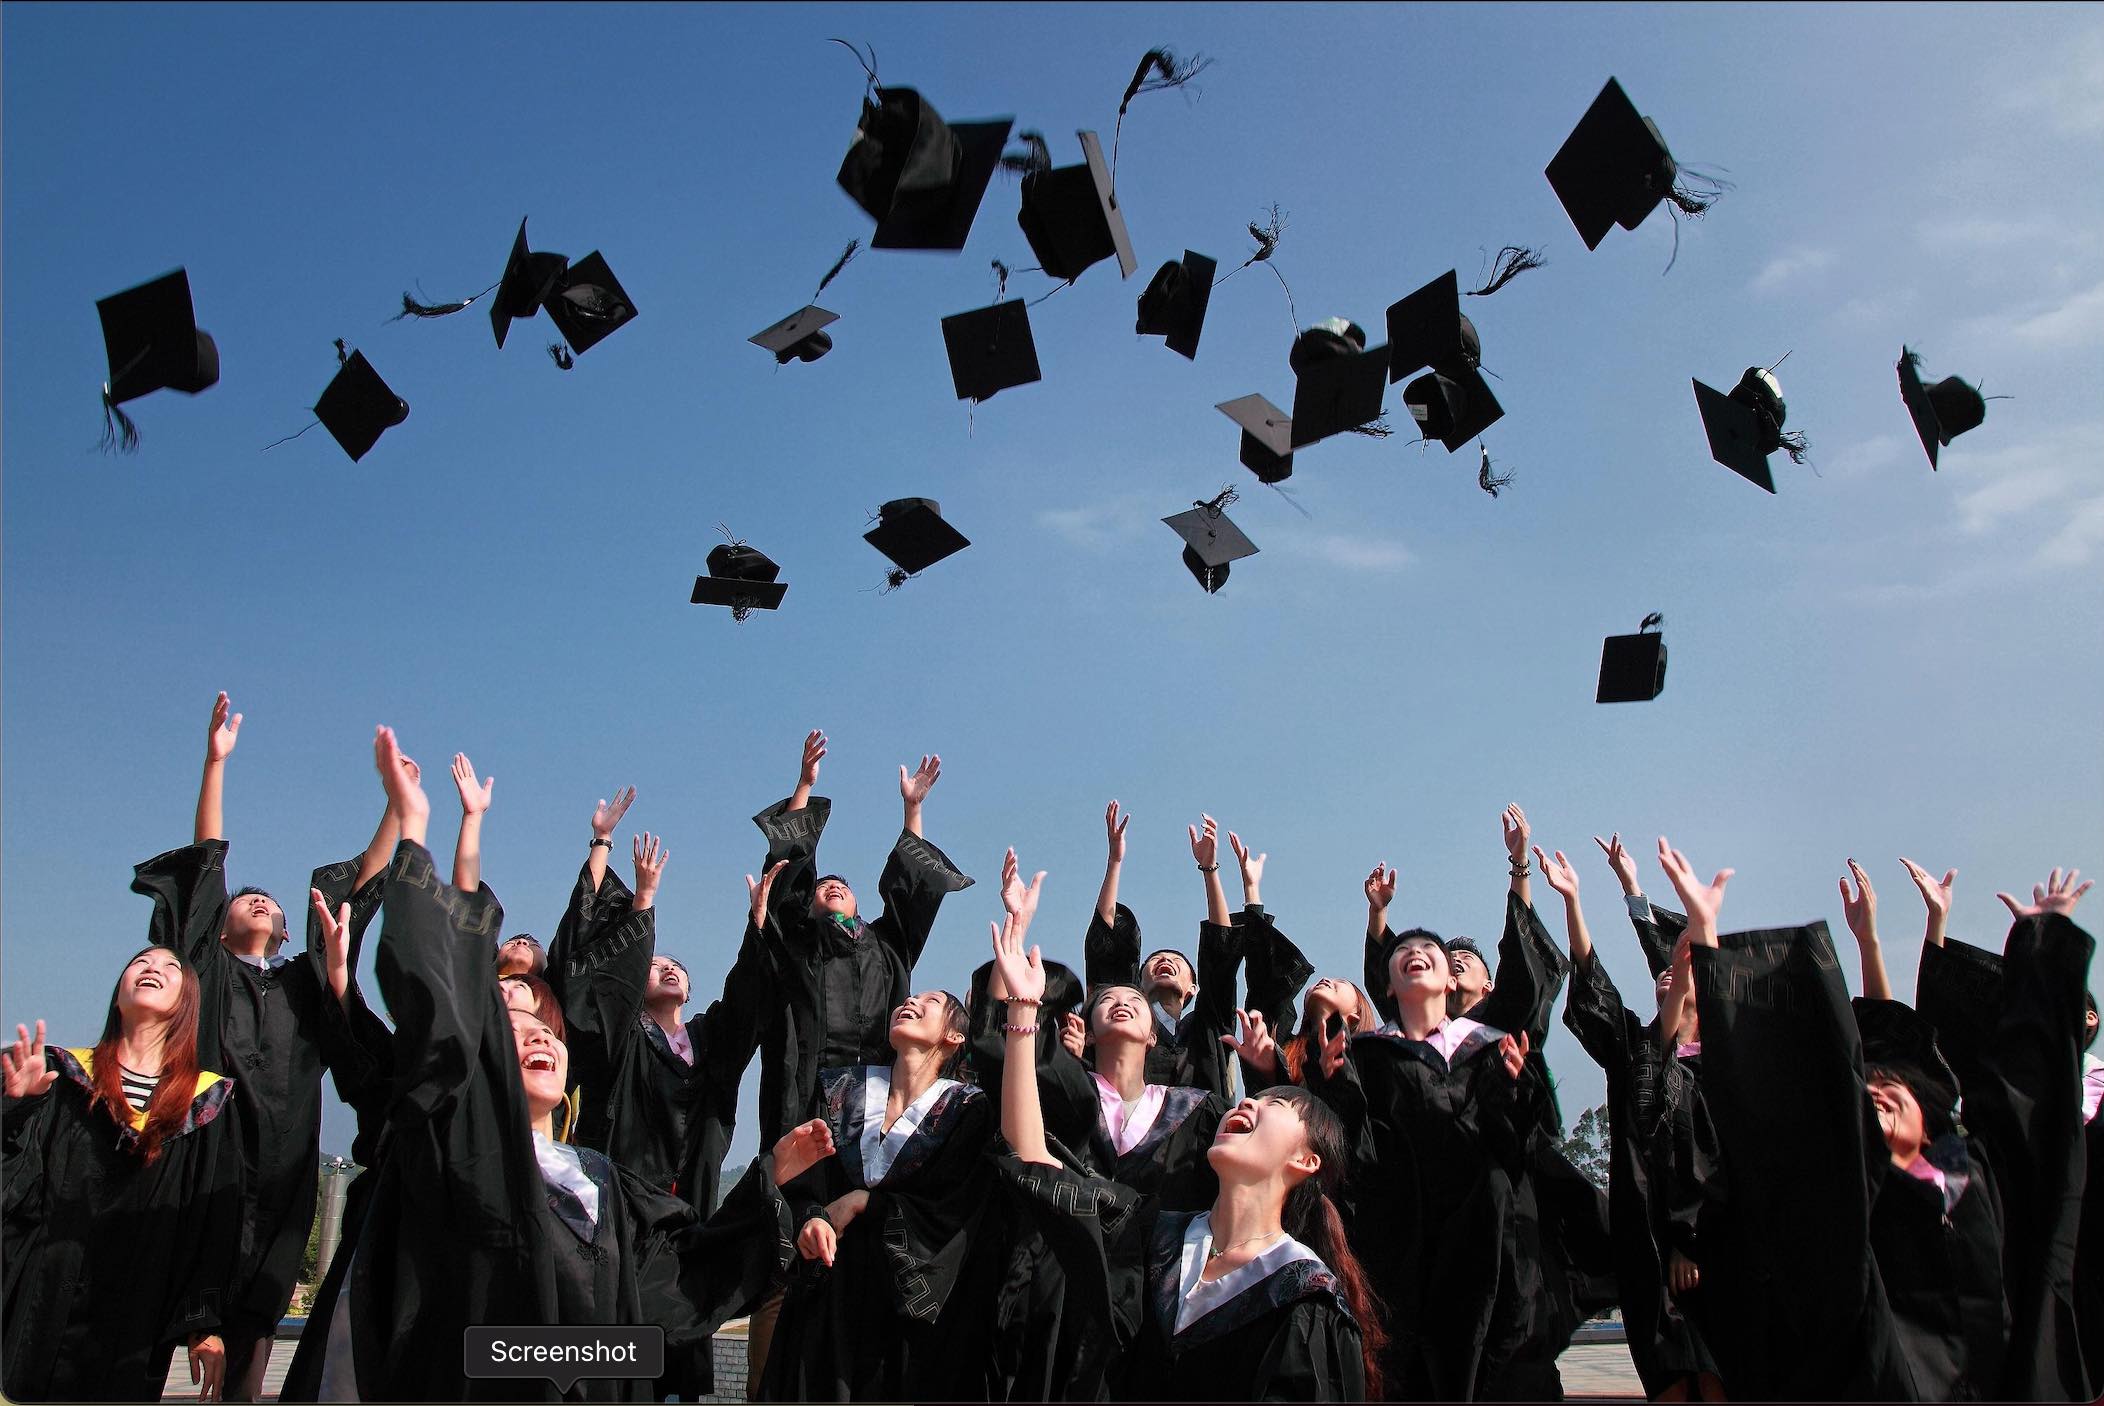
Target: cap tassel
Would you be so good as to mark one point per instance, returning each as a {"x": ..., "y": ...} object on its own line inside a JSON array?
[
  {"x": 854, "y": 247},
  {"x": 1376, "y": 428},
  {"x": 1512, "y": 261},
  {"x": 118, "y": 431},
  {"x": 1692, "y": 200},
  {"x": 1488, "y": 481},
  {"x": 895, "y": 578},
  {"x": 1651, "y": 622},
  {"x": 1795, "y": 445},
  {"x": 412, "y": 308},
  {"x": 1037, "y": 158},
  {"x": 1159, "y": 69},
  {"x": 1267, "y": 237},
  {"x": 1219, "y": 501},
  {"x": 560, "y": 355},
  {"x": 869, "y": 65}
]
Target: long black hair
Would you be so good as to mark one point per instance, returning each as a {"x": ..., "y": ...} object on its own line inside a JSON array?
[{"x": 1311, "y": 1217}]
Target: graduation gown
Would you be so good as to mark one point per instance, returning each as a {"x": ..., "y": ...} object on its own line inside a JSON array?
[
  {"x": 275, "y": 1031},
  {"x": 109, "y": 1262},
  {"x": 833, "y": 988},
  {"x": 906, "y": 1311},
  {"x": 1662, "y": 1152},
  {"x": 1191, "y": 1053},
  {"x": 2012, "y": 1030},
  {"x": 463, "y": 1229},
  {"x": 1287, "y": 1337},
  {"x": 1274, "y": 971}
]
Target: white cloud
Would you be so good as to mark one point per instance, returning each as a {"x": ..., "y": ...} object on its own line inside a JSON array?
[
  {"x": 1867, "y": 456},
  {"x": 1360, "y": 554},
  {"x": 2080, "y": 537},
  {"x": 2070, "y": 99},
  {"x": 1787, "y": 267},
  {"x": 1098, "y": 526},
  {"x": 2077, "y": 321},
  {"x": 2063, "y": 470}
]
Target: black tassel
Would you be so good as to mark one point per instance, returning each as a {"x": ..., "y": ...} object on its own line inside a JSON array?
[
  {"x": 289, "y": 438},
  {"x": 1159, "y": 69},
  {"x": 412, "y": 308},
  {"x": 1488, "y": 481},
  {"x": 1651, "y": 622},
  {"x": 1375, "y": 429},
  {"x": 740, "y": 612},
  {"x": 343, "y": 355},
  {"x": 1512, "y": 261},
  {"x": 1037, "y": 158},
  {"x": 869, "y": 65},
  {"x": 1795, "y": 445},
  {"x": 118, "y": 431},
  {"x": 854, "y": 247},
  {"x": 1000, "y": 272},
  {"x": 560, "y": 355},
  {"x": 1267, "y": 237},
  {"x": 895, "y": 578},
  {"x": 1219, "y": 501}
]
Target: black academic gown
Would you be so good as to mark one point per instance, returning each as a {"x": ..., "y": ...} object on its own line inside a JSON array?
[
  {"x": 833, "y": 988},
  {"x": 110, "y": 1263},
  {"x": 1191, "y": 1053},
  {"x": 1662, "y": 1150},
  {"x": 462, "y": 1229},
  {"x": 906, "y": 1310},
  {"x": 275, "y": 1031},
  {"x": 2012, "y": 1030},
  {"x": 2089, "y": 1256},
  {"x": 1289, "y": 1337}
]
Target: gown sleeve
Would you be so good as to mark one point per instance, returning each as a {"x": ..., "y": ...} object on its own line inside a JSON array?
[
  {"x": 599, "y": 965},
  {"x": 1316, "y": 1356},
  {"x": 362, "y": 1064},
  {"x": 1530, "y": 973},
  {"x": 793, "y": 835},
  {"x": 1596, "y": 1017},
  {"x": 438, "y": 979},
  {"x": 1096, "y": 1231},
  {"x": 696, "y": 1277},
  {"x": 1274, "y": 971},
  {"x": 188, "y": 889},
  {"x": 1375, "y": 971},
  {"x": 1110, "y": 952},
  {"x": 212, "y": 1205},
  {"x": 1213, "y": 1008},
  {"x": 916, "y": 879}
]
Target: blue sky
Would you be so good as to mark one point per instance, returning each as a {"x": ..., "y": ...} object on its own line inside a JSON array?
[{"x": 1877, "y": 661}]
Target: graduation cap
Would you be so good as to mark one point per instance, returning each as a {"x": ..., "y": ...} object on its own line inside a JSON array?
[
  {"x": 1745, "y": 427},
  {"x": 920, "y": 178},
  {"x": 151, "y": 335},
  {"x": 740, "y": 577},
  {"x": 1941, "y": 412},
  {"x": 1267, "y": 437},
  {"x": 358, "y": 407},
  {"x": 990, "y": 349},
  {"x": 1452, "y": 406},
  {"x": 588, "y": 304},
  {"x": 1338, "y": 384},
  {"x": 798, "y": 337},
  {"x": 529, "y": 279},
  {"x": 1897, "y": 1039},
  {"x": 1428, "y": 328},
  {"x": 1175, "y": 302},
  {"x": 1633, "y": 667},
  {"x": 1615, "y": 168},
  {"x": 1071, "y": 217},
  {"x": 1211, "y": 540},
  {"x": 912, "y": 534}
]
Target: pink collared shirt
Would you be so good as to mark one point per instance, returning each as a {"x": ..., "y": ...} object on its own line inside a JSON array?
[
  {"x": 1125, "y": 1124},
  {"x": 1448, "y": 1035}
]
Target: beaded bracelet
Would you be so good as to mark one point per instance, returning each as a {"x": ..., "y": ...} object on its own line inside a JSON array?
[{"x": 1020, "y": 1029}]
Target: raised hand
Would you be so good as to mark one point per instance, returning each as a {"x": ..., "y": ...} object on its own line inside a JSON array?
[
  {"x": 1252, "y": 864},
  {"x": 1620, "y": 860},
  {"x": 1380, "y": 887},
  {"x": 1512, "y": 1050},
  {"x": 1114, "y": 826},
  {"x": 814, "y": 753},
  {"x": 1252, "y": 1040},
  {"x": 1074, "y": 1034},
  {"x": 474, "y": 795},
  {"x": 914, "y": 789},
  {"x": 1861, "y": 907},
  {"x": 1205, "y": 844},
  {"x": 818, "y": 1241},
  {"x": 2058, "y": 894},
  {"x": 1013, "y": 891},
  {"x": 1936, "y": 895},
  {"x": 802, "y": 1148},
  {"x": 1514, "y": 823},
  {"x": 226, "y": 728},
  {"x": 650, "y": 855},
  {"x": 23, "y": 1067},
  {"x": 335, "y": 942},
  {"x": 1701, "y": 901},
  {"x": 756, "y": 891},
  {"x": 607, "y": 814},
  {"x": 1333, "y": 1052},
  {"x": 1021, "y": 974},
  {"x": 1560, "y": 874},
  {"x": 405, "y": 792}
]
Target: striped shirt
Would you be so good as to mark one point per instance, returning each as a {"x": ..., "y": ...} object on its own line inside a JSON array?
[{"x": 138, "y": 1088}]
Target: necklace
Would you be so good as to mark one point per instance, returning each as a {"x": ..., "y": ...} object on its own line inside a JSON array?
[{"x": 1218, "y": 1250}]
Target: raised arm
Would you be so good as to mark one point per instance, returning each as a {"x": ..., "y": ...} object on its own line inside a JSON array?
[
  {"x": 211, "y": 791},
  {"x": 793, "y": 828},
  {"x": 1514, "y": 824},
  {"x": 1936, "y": 897},
  {"x": 1380, "y": 892},
  {"x": 1861, "y": 910},
  {"x": 377, "y": 852},
  {"x": 606, "y": 816},
  {"x": 474, "y": 801},
  {"x": 1107, "y": 897},
  {"x": 1205, "y": 849},
  {"x": 913, "y": 790},
  {"x": 807, "y": 775},
  {"x": 1021, "y": 973},
  {"x": 1563, "y": 878}
]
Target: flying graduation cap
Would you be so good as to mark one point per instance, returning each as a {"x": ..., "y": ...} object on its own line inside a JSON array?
[
  {"x": 528, "y": 278},
  {"x": 154, "y": 343},
  {"x": 740, "y": 577},
  {"x": 588, "y": 305},
  {"x": 1427, "y": 329},
  {"x": 990, "y": 349},
  {"x": 1211, "y": 540},
  {"x": 1174, "y": 305},
  {"x": 1633, "y": 667},
  {"x": 356, "y": 407},
  {"x": 1338, "y": 383},
  {"x": 912, "y": 535},
  {"x": 1745, "y": 427},
  {"x": 801, "y": 335},
  {"x": 1070, "y": 214},
  {"x": 1615, "y": 168},
  {"x": 1940, "y": 412},
  {"x": 920, "y": 178},
  {"x": 1267, "y": 437}
]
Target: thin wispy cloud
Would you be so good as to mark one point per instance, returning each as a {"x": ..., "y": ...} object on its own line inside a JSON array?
[
  {"x": 2021, "y": 481},
  {"x": 1360, "y": 553},
  {"x": 1965, "y": 234},
  {"x": 1867, "y": 456},
  {"x": 2073, "y": 322},
  {"x": 2067, "y": 97},
  {"x": 1099, "y": 526},
  {"x": 1788, "y": 267}
]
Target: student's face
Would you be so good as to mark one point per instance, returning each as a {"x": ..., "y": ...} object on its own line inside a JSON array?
[
  {"x": 832, "y": 896},
  {"x": 923, "y": 1022},
  {"x": 1419, "y": 967},
  {"x": 151, "y": 986},
  {"x": 255, "y": 917},
  {"x": 1168, "y": 974},
  {"x": 1471, "y": 977},
  {"x": 1328, "y": 997},
  {"x": 668, "y": 981},
  {"x": 521, "y": 956},
  {"x": 518, "y": 996},
  {"x": 544, "y": 1065},
  {"x": 1259, "y": 1138},
  {"x": 1121, "y": 1013},
  {"x": 1899, "y": 1116}
]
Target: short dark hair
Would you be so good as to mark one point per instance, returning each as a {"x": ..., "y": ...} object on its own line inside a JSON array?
[
  {"x": 2089, "y": 1002},
  {"x": 1468, "y": 945}
]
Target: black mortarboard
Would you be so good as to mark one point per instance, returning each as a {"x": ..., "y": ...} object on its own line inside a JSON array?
[
  {"x": 1428, "y": 328},
  {"x": 1941, "y": 412},
  {"x": 990, "y": 349},
  {"x": 1211, "y": 541},
  {"x": 1739, "y": 437},
  {"x": 1613, "y": 169},
  {"x": 358, "y": 407},
  {"x": 1336, "y": 386},
  {"x": 588, "y": 304},
  {"x": 1452, "y": 406},
  {"x": 920, "y": 178},
  {"x": 1633, "y": 667},
  {"x": 912, "y": 533},
  {"x": 151, "y": 335},
  {"x": 1071, "y": 217},
  {"x": 528, "y": 280},
  {"x": 1267, "y": 437},
  {"x": 1896, "y": 1038},
  {"x": 798, "y": 337},
  {"x": 1175, "y": 302},
  {"x": 740, "y": 577}
]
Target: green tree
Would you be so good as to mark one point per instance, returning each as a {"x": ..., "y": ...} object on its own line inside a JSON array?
[{"x": 1588, "y": 1144}]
